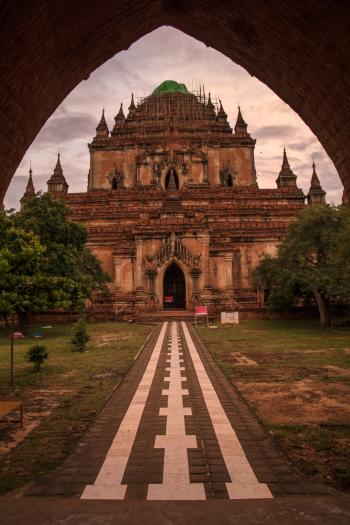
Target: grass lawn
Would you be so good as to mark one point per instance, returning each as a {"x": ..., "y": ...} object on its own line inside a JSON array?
[
  {"x": 60, "y": 403},
  {"x": 296, "y": 376}
]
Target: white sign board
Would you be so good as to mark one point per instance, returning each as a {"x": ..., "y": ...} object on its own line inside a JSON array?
[{"x": 229, "y": 318}]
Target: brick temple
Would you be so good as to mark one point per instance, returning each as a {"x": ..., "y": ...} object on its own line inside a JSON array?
[{"x": 173, "y": 208}]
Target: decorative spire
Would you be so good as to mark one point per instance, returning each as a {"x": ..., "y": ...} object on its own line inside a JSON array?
[
  {"x": 57, "y": 182},
  {"x": 286, "y": 177},
  {"x": 132, "y": 108},
  {"x": 210, "y": 108},
  {"x": 30, "y": 190},
  {"x": 30, "y": 185},
  {"x": 132, "y": 103},
  {"x": 221, "y": 113},
  {"x": 285, "y": 163},
  {"x": 120, "y": 117},
  {"x": 316, "y": 192},
  {"x": 315, "y": 181},
  {"x": 102, "y": 128},
  {"x": 119, "y": 120},
  {"x": 241, "y": 128},
  {"x": 58, "y": 168}
]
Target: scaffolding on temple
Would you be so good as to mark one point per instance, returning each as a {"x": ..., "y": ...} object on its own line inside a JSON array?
[{"x": 152, "y": 110}]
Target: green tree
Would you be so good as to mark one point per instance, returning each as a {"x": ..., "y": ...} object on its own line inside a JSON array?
[
  {"x": 66, "y": 256},
  {"x": 80, "y": 336},
  {"x": 21, "y": 277},
  {"x": 313, "y": 260},
  {"x": 36, "y": 355}
]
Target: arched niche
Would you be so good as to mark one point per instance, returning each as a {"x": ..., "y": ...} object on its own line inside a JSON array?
[{"x": 172, "y": 182}]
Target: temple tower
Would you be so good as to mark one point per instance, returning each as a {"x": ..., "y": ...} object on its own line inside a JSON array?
[
  {"x": 57, "y": 183},
  {"x": 316, "y": 193},
  {"x": 286, "y": 177},
  {"x": 30, "y": 190}
]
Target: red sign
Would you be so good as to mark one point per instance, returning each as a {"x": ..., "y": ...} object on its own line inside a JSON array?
[
  {"x": 201, "y": 310},
  {"x": 168, "y": 299}
]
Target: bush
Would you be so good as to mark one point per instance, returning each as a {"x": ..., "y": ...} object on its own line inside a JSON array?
[
  {"x": 80, "y": 336},
  {"x": 37, "y": 355}
]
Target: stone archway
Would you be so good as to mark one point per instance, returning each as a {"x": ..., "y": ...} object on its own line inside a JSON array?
[{"x": 301, "y": 53}]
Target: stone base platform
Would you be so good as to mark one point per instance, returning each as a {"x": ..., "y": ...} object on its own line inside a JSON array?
[{"x": 298, "y": 510}]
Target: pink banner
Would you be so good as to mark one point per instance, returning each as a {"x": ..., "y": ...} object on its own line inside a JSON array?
[{"x": 201, "y": 310}]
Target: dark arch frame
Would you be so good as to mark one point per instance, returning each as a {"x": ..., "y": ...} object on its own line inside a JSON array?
[
  {"x": 309, "y": 69},
  {"x": 230, "y": 180}
]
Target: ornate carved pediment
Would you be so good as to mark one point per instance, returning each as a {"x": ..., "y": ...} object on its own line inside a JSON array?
[
  {"x": 177, "y": 163},
  {"x": 172, "y": 248}
]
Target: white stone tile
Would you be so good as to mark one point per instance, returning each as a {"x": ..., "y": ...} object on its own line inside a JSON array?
[
  {"x": 113, "y": 469},
  {"x": 244, "y": 484}
]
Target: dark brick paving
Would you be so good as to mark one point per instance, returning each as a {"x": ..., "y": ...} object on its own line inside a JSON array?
[
  {"x": 206, "y": 463},
  {"x": 268, "y": 462}
]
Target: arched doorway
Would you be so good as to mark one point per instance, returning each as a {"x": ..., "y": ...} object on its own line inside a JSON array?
[
  {"x": 171, "y": 180},
  {"x": 230, "y": 180},
  {"x": 174, "y": 288}
]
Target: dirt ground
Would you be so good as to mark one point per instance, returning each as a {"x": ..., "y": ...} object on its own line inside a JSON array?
[
  {"x": 304, "y": 402},
  {"x": 38, "y": 404},
  {"x": 296, "y": 377}
]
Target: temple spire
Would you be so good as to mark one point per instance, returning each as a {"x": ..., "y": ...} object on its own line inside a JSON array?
[
  {"x": 285, "y": 163},
  {"x": 132, "y": 103},
  {"x": 316, "y": 192},
  {"x": 286, "y": 177},
  {"x": 132, "y": 108},
  {"x": 102, "y": 128},
  {"x": 30, "y": 190},
  {"x": 210, "y": 108},
  {"x": 57, "y": 182},
  {"x": 222, "y": 115},
  {"x": 58, "y": 168},
  {"x": 119, "y": 120},
  {"x": 241, "y": 127}
]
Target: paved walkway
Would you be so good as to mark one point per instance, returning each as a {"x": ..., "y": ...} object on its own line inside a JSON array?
[{"x": 175, "y": 429}]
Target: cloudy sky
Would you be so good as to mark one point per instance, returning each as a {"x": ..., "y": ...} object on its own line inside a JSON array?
[{"x": 169, "y": 54}]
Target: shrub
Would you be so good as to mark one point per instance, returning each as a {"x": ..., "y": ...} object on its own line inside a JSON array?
[
  {"x": 80, "y": 336},
  {"x": 37, "y": 355}
]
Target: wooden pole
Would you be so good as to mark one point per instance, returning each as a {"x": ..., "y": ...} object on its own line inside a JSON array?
[{"x": 11, "y": 351}]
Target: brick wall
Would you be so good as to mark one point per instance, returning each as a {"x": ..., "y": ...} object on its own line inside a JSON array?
[{"x": 300, "y": 50}]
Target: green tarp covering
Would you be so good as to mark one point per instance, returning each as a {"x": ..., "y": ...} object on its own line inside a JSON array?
[{"x": 170, "y": 86}]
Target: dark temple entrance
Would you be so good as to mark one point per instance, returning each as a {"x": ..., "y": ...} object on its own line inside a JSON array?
[{"x": 174, "y": 287}]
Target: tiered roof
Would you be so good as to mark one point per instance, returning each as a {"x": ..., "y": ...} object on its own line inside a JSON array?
[{"x": 172, "y": 108}]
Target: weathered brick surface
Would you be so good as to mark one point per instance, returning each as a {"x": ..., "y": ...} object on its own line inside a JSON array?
[{"x": 301, "y": 52}]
